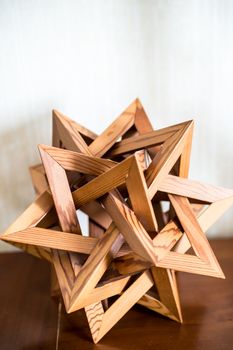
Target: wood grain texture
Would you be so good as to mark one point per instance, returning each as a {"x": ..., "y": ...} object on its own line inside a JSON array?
[
  {"x": 166, "y": 158},
  {"x": 194, "y": 189},
  {"x": 194, "y": 233},
  {"x": 127, "y": 223},
  {"x": 147, "y": 140},
  {"x": 102, "y": 184},
  {"x": 95, "y": 266},
  {"x": 141, "y": 204},
  {"x": 109, "y": 136},
  {"x": 130, "y": 232},
  {"x": 68, "y": 132},
  {"x": 124, "y": 303},
  {"x": 53, "y": 239},
  {"x": 80, "y": 162}
]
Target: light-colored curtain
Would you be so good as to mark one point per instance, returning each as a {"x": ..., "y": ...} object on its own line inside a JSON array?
[{"x": 90, "y": 59}]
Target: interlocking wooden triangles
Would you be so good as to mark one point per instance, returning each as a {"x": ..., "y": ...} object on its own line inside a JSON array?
[{"x": 133, "y": 247}]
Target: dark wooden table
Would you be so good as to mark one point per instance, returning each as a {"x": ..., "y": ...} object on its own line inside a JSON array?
[{"x": 29, "y": 318}]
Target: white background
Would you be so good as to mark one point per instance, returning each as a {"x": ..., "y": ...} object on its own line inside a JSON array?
[{"x": 90, "y": 59}]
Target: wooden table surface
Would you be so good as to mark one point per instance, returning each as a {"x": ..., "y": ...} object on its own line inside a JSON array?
[{"x": 29, "y": 318}]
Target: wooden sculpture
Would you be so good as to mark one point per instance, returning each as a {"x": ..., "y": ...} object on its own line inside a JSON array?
[{"x": 133, "y": 249}]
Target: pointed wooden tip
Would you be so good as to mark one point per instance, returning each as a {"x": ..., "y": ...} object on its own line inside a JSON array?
[
  {"x": 72, "y": 307},
  {"x": 59, "y": 116},
  {"x": 42, "y": 147},
  {"x": 56, "y": 115},
  {"x": 138, "y": 103},
  {"x": 221, "y": 274},
  {"x": 189, "y": 123},
  {"x": 55, "y": 111},
  {"x": 132, "y": 107},
  {"x": 3, "y": 238}
]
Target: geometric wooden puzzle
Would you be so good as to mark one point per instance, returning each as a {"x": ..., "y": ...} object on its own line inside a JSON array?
[{"x": 147, "y": 220}]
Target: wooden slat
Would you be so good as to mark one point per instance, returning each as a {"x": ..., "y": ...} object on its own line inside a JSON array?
[
  {"x": 106, "y": 291},
  {"x": 145, "y": 140},
  {"x": 61, "y": 193},
  {"x": 188, "y": 263},
  {"x": 95, "y": 266},
  {"x": 184, "y": 160},
  {"x": 141, "y": 203},
  {"x": 53, "y": 239},
  {"x": 33, "y": 214},
  {"x": 120, "y": 125},
  {"x": 193, "y": 189},
  {"x": 103, "y": 183},
  {"x": 124, "y": 303},
  {"x": 165, "y": 159},
  {"x": 128, "y": 224},
  {"x": 168, "y": 292},
  {"x": 97, "y": 214},
  {"x": 74, "y": 161},
  {"x": 194, "y": 232},
  {"x": 163, "y": 242},
  {"x": 67, "y": 131},
  {"x": 156, "y": 305},
  {"x": 65, "y": 274}
]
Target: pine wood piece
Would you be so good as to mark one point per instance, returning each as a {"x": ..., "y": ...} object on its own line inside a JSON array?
[{"x": 119, "y": 179}]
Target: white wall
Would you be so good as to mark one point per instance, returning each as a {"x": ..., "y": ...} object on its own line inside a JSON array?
[{"x": 90, "y": 59}]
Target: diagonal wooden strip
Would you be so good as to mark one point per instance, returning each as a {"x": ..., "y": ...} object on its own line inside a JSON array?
[
  {"x": 144, "y": 140},
  {"x": 85, "y": 132},
  {"x": 53, "y": 239},
  {"x": 95, "y": 266},
  {"x": 94, "y": 313},
  {"x": 131, "y": 263},
  {"x": 214, "y": 212},
  {"x": 30, "y": 218},
  {"x": 143, "y": 125},
  {"x": 128, "y": 224},
  {"x": 106, "y": 291},
  {"x": 206, "y": 219},
  {"x": 141, "y": 204},
  {"x": 68, "y": 132},
  {"x": 163, "y": 242},
  {"x": 189, "y": 263},
  {"x": 193, "y": 189},
  {"x": 33, "y": 214},
  {"x": 80, "y": 162},
  {"x": 184, "y": 161},
  {"x": 156, "y": 305},
  {"x": 166, "y": 158},
  {"x": 124, "y": 303},
  {"x": 194, "y": 232},
  {"x": 120, "y": 125},
  {"x": 97, "y": 214},
  {"x": 167, "y": 288},
  {"x": 65, "y": 273},
  {"x": 59, "y": 186},
  {"x": 103, "y": 183}
]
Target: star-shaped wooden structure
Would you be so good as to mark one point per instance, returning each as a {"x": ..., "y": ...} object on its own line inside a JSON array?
[{"x": 133, "y": 249}]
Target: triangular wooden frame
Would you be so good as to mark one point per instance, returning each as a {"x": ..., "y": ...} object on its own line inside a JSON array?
[{"x": 169, "y": 149}]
